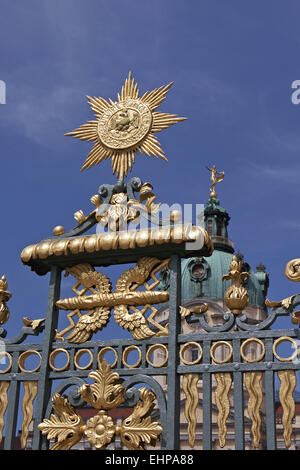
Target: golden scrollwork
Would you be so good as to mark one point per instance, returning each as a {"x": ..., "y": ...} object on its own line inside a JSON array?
[
  {"x": 107, "y": 392},
  {"x": 65, "y": 426},
  {"x": 125, "y": 127},
  {"x": 125, "y": 298},
  {"x": 185, "y": 312},
  {"x": 138, "y": 429},
  {"x": 30, "y": 392},
  {"x": 34, "y": 324},
  {"x": 287, "y": 386},
  {"x": 4, "y": 386},
  {"x": 189, "y": 386},
  {"x": 236, "y": 296},
  {"x": 292, "y": 270},
  {"x": 5, "y": 295}
]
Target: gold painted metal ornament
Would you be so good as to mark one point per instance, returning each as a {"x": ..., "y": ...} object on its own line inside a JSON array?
[
  {"x": 106, "y": 393},
  {"x": 236, "y": 296},
  {"x": 125, "y": 298},
  {"x": 216, "y": 177},
  {"x": 126, "y": 126},
  {"x": 5, "y": 295}
]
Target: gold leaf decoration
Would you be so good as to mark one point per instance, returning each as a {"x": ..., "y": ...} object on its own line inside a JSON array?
[
  {"x": 30, "y": 392},
  {"x": 252, "y": 382},
  {"x": 224, "y": 381},
  {"x": 107, "y": 392},
  {"x": 189, "y": 386},
  {"x": 287, "y": 386},
  {"x": 138, "y": 430},
  {"x": 66, "y": 427},
  {"x": 4, "y": 386}
]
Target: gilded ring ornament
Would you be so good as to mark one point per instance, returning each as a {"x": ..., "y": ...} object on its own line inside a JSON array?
[
  {"x": 52, "y": 357},
  {"x": 253, "y": 340},
  {"x": 24, "y": 356},
  {"x": 281, "y": 340},
  {"x": 6, "y": 354},
  {"x": 79, "y": 354},
  {"x": 214, "y": 347},
  {"x": 153, "y": 348},
  {"x": 102, "y": 353},
  {"x": 128, "y": 350},
  {"x": 184, "y": 348}
]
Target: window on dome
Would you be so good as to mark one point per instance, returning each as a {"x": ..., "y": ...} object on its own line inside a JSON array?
[{"x": 210, "y": 227}]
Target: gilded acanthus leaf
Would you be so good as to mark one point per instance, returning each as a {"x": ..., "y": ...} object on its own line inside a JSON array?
[
  {"x": 66, "y": 427},
  {"x": 138, "y": 429},
  {"x": 107, "y": 392}
]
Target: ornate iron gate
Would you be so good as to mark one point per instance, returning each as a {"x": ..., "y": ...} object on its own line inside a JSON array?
[{"x": 152, "y": 413}]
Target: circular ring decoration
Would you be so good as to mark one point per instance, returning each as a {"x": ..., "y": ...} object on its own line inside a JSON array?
[
  {"x": 221, "y": 343},
  {"x": 125, "y": 356},
  {"x": 103, "y": 351},
  {"x": 52, "y": 357},
  {"x": 281, "y": 340},
  {"x": 24, "y": 356},
  {"x": 79, "y": 354},
  {"x": 184, "y": 348},
  {"x": 253, "y": 340},
  {"x": 153, "y": 348},
  {"x": 2, "y": 354}
]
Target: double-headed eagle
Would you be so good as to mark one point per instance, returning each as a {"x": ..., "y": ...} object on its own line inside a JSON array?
[{"x": 102, "y": 300}]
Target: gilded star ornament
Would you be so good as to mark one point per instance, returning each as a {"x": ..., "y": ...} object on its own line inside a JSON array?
[{"x": 125, "y": 127}]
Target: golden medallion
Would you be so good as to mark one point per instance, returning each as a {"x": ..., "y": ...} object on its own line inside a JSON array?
[{"x": 125, "y": 124}]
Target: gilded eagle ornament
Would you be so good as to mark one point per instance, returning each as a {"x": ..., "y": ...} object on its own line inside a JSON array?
[{"x": 125, "y": 127}]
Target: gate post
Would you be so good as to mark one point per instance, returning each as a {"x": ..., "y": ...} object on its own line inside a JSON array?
[
  {"x": 44, "y": 384},
  {"x": 173, "y": 406}
]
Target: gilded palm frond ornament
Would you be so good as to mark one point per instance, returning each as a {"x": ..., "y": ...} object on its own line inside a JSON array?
[
  {"x": 125, "y": 127},
  {"x": 107, "y": 392}
]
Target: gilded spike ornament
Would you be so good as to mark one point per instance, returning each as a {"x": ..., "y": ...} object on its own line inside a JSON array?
[
  {"x": 125, "y": 127},
  {"x": 107, "y": 392}
]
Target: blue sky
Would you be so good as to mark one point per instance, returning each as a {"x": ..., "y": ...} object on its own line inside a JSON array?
[{"x": 233, "y": 64}]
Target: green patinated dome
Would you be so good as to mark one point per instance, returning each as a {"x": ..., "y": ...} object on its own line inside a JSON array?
[{"x": 202, "y": 277}]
